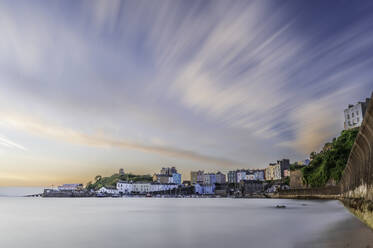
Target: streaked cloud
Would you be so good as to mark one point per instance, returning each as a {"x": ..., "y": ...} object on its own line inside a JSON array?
[
  {"x": 10, "y": 144},
  {"x": 31, "y": 125},
  {"x": 259, "y": 76},
  {"x": 206, "y": 83}
]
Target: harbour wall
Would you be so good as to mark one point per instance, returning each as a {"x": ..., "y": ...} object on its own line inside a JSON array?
[
  {"x": 66, "y": 193},
  {"x": 356, "y": 185},
  {"x": 355, "y": 188},
  {"x": 332, "y": 192},
  {"x": 357, "y": 178}
]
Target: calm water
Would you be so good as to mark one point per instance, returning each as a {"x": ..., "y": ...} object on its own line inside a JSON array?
[
  {"x": 156, "y": 223},
  {"x": 19, "y": 191}
]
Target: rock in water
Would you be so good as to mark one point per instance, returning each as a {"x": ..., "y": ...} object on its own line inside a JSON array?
[{"x": 280, "y": 206}]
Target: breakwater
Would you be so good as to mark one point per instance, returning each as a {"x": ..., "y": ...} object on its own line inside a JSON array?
[{"x": 355, "y": 188}]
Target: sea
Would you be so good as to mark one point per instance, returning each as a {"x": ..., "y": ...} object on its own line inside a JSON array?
[{"x": 36, "y": 222}]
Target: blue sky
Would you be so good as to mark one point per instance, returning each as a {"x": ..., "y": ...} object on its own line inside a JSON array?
[{"x": 88, "y": 87}]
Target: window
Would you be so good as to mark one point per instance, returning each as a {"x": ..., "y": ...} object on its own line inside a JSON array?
[
  {"x": 348, "y": 116},
  {"x": 357, "y": 119},
  {"x": 357, "y": 113},
  {"x": 352, "y": 114}
]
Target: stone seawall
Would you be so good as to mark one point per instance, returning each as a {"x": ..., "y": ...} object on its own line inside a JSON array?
[
  {"x": 355, "y": 188},
  {"x": 332, "y": 192},
  {"x": 357, "y": 179},
  {"x": 360, "y": 207}
]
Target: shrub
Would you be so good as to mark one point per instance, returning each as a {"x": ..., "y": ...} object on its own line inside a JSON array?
[{"x": 331, "y": 161}]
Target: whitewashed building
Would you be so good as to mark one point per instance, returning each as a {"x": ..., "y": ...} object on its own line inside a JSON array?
[
  {"x": 108, "y": 190},
  {"x": 155, "y": 187},
  {"x": 354, "y": 114},
  {"x": 130, "y": 187},
  {"x": 277, "y": 172},
  {"x": 141, "y": 187},
  {"x": 71, "y": 187},
  {"x": 125, "y": 187},
  {"x": 273, "y": 172}
]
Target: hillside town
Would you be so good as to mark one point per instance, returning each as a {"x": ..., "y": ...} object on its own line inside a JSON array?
[
  {"x": 279, "y": 175},
  {"x": 168, "y": 182}
]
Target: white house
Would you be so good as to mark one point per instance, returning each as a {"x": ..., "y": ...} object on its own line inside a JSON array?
[
  {"x": 277, "y": 172},
  {"x": 170, "y": 186},
  {"x": 163, "y": 187},
  {"x": 71, "y": 187},
  {"x": 108, "y": 190},
  {"x": 354, "y": 114},
  {"x": 155, "y": 187},
  {"x": 141, "y": 187},
  {"x": 273, "y": 172},
  {"x": 125, "y": 187},
  {"x": 129, "y": 187}
]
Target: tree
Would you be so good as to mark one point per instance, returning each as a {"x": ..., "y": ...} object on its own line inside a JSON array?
[
  {"x": 89, "y": 185},
  {"x": 330, "y": 163},
  {"x": 312, "y": 155},
  {"x": 112, "y": 180}
]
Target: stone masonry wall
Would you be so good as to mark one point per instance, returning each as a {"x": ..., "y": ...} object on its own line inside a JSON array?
[
  {"x": 357, "y": 178},
  {"x": 355, "y": 189},
  {"x": 296, "y": 180},
  {"x": 331, "y": 192}
]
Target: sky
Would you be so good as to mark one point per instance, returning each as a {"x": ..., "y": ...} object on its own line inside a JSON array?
[{"x": 88, "y": 87}]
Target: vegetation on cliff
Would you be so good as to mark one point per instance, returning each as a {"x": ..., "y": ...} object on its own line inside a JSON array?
[
  {"x": 294, "y": 167},
  {"x": 113, "y": 179},
  {"x": 331, "y": 161}
]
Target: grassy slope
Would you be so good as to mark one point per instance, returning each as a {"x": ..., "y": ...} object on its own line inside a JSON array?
[{"x": 113, "y": 179}]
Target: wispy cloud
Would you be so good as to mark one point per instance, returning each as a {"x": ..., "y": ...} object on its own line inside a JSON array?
[
  {"x": 316, "y": 122},
  {"x": 10, "y": 144},
  {"x": 246, "y": 80},
  {"x": 237, "y": 75},
  {"x": 266, "y": 78},
  {"x": 33, "y": 126}
]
